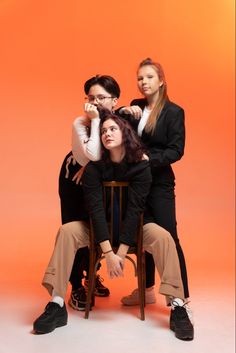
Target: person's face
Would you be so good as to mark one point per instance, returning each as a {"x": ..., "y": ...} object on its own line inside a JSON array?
[
  {"x": 148, "y": 81},
  {"x": 97, "y": 95},
  {"x": 111, "y": 135}
]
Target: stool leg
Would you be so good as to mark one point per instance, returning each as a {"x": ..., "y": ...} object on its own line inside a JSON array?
[
  {"x": 141, "y": 284},
  {"x": 91, "y": 282}
]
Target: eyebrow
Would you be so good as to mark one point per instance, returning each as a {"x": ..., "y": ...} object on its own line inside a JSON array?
[{"x": 109, "y": 127}]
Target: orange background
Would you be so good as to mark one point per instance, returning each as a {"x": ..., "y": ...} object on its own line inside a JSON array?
[{"x": 48, "y": 49}]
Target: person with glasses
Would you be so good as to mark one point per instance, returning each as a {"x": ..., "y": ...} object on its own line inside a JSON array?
[{"x": 101, "y": 91}]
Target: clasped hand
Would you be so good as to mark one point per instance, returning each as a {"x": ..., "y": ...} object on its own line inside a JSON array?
[{"x": 115, "y": 265}]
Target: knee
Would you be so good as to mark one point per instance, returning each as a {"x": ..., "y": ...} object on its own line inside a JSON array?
[
  {"x": 158, "y": 235},
  {"x": 66, "y": 231},
  {"x": 74, "y": 232},
  {"x": 164, "y": 238}
]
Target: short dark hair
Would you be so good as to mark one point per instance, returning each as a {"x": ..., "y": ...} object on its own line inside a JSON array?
[
  {"x": 107, "y": 82},
  {"x": 134, "y": 149}
]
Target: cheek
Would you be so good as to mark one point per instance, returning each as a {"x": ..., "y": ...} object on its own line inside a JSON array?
[
  {"x": 119, "y": 138},
  {"x": 102, "y": 139},
  {"x": 107, "y": 105},
  {"x": 139, "y": 86}
]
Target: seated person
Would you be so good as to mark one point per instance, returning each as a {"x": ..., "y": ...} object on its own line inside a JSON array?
[{"x": 122, "y": 159}]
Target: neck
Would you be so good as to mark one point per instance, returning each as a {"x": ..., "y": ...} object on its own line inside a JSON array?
[
  {"x": 117, "y": 154},
  {"x": 152, "y": 100}
]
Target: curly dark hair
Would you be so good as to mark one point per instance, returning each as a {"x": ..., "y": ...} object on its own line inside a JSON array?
[{"x": 134, "y": 149}]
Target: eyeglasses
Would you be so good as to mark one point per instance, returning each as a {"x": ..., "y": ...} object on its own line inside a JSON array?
[{"x": 99, "y": 98}]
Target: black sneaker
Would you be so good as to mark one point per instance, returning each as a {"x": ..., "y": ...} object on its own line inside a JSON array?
[
  {"x": 78, "y": 299},
  {"x": 180, "y": 323},
  {"x": 54, "y": 316},
  {"x": 100, "y": 290}
]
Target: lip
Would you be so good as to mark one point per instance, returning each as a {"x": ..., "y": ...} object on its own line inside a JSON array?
[{"x": 109, "y": 140}]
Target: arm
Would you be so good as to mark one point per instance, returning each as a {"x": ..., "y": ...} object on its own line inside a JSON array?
[
  {"x": 86, "y": 146},
  {"x": 93, "y": 191},
  {"x": 170, "y": 135},
  {"x": 139, "y": 186},
  {"x": 166, "y": 145}
]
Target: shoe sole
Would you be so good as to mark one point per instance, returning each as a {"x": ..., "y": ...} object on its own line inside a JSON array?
[
  {"x": 101, "y": 294},
  {"x": 133, "y": 304},
  {"x": 46, "y": 329},
  {"x": 76, "y": 307},
  {"x": 98, "y": 294},
  {"x": 186, "y": 336}
]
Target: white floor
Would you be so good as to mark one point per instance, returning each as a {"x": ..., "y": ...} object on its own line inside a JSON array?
[{"x": 113, "y": 328}]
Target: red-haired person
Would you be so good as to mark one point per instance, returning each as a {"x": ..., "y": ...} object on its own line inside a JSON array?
[{"x": 160, "y": 124}]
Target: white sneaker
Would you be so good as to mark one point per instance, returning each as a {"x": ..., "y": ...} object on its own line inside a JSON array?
[{"x": 133, "y": 298}]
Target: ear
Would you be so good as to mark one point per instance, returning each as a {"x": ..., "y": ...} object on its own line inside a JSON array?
[
  {"x": 161, "y": 83},
  {"x": 114, "y": 102}
]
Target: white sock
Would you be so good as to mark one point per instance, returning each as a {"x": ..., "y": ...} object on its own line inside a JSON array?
[
  {"x": 181, "y": 302},
  {"x": 57, "y": 299},
  {"x": 176, "y": 302}
]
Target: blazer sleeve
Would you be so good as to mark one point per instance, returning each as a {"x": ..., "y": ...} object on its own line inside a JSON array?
[
  {"x": 173, "y": 148},
  {"x": 138, "y": 190},
  {"x": 93, "y": 194}
]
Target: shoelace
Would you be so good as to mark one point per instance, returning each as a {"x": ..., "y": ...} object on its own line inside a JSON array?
[{"x": 182, "y": 313}]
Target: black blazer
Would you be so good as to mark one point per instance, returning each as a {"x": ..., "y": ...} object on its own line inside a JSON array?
[
  {"x": 166, "y": 145},
  {"x": 139, "y": 177}
]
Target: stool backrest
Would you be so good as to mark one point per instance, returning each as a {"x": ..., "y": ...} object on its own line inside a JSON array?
[{"x": 114, "y": 203}]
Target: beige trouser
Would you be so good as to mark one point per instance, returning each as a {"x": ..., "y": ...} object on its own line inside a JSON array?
[{"x": 75, "y": 235}]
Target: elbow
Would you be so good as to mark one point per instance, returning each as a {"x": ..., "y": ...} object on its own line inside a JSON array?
[
  {"x": 181, "y": 153},
  {"x": 94, "y": 157}
]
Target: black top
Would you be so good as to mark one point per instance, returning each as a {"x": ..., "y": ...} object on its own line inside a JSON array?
[
  {"x": 166, "y": 145},
  {"x": 139, "y": 177},
  {"x": 71, "y": 194}
]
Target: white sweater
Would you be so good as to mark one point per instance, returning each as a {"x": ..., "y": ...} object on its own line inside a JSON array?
[{"x": 86, "y": 143}]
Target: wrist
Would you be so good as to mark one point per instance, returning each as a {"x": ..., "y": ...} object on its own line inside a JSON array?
[
  {"x": 122, "y": 251},
  {"x": 121, "y": 255},
  {"x": 107, "y": 252}
]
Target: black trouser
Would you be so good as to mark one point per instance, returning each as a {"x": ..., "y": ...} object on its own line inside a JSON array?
[
  {"x": 161, "y": 206},
  {"x": 73, "y": 209}
]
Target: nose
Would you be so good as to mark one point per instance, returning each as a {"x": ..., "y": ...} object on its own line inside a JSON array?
[
  {"x": 107, "y": 134},
  {"x": 144, "y": 80},
  {"x": 94, "y": 101}
]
